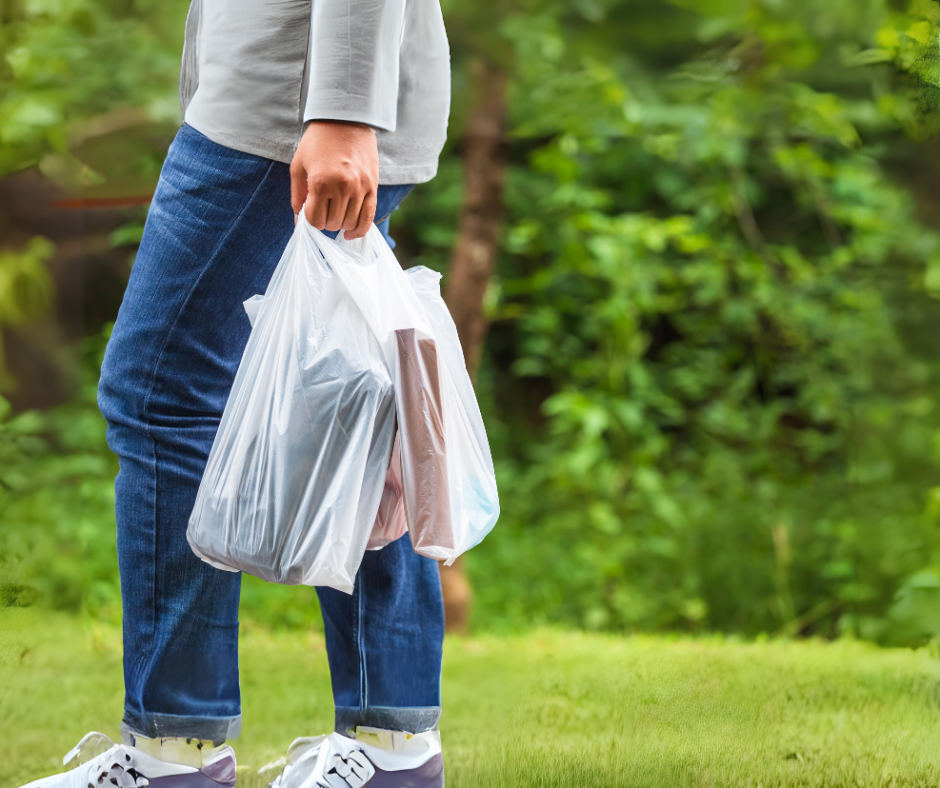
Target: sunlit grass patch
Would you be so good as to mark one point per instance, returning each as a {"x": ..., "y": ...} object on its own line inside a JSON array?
[{"x": 548, "y": 709}]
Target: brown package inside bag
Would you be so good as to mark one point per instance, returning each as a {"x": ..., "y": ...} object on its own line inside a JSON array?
[{"x": 424, "y": 455}]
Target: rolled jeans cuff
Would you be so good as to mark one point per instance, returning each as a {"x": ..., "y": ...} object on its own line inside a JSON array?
[
  {"x": 413, "y": 719},
  {"x": 165, "y": 726}
]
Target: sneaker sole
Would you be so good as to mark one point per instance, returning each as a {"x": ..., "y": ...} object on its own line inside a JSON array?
[
  {"x": 430, "y": 775},
  {"x": 191, "y": 780}
]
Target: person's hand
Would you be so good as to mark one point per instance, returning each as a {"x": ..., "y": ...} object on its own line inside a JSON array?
[{"x": 334, "y": 177}]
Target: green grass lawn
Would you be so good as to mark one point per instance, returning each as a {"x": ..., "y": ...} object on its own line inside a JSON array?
[{"x": 548, "y": 709}]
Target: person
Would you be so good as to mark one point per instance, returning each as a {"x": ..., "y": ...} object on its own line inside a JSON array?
[{"x": 337, "y": 108}]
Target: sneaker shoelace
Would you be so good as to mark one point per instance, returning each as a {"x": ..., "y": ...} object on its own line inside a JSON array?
[
  {"x": 108, "y": 764},
  {"x": 313, "y": 763},
  {"x": 353, "y": 771},
  {"x": 114, "y": 773}
]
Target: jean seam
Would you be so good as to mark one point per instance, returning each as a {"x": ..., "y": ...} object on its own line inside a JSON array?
[
  {"x": 360, "y": 636},
  {"x": 145, "y": 414},
  {"x": 153, "y": 575}
]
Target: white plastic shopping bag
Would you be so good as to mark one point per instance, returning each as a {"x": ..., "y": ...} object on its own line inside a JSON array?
[
  {"x": 447, "y": 476},
  {"x": 471, "y": 480},
  {"x": 302, "y": 476},
  {"x": 296, "y": 473}
]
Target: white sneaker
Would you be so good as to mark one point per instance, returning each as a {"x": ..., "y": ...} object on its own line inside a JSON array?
[
  {"x": 374, "y": 759},
  {"x": 100, "y": 763}
]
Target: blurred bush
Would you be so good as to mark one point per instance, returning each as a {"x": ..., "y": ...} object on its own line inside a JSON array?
[
  {"x": 57, "y": 505},
  {"x": 57, "y": 533},
  {"x": 710, "y": 380},
  {"x": 72, "y": 69}
]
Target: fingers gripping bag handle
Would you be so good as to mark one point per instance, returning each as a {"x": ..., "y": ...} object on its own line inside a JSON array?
[
  {"x": 297, "y": 469},
  {"x": 447, "y": 478}
]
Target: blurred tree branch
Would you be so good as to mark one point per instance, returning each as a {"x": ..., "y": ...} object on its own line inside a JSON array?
[{"x": 474, "y": 260}]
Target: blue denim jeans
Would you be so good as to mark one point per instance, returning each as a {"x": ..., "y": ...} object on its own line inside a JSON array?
[{"x": 217, "y": 226}]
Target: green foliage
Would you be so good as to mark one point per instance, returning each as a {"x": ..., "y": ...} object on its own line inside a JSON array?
[
  {"x": 25, "y": 290},
  {"x": 57, "y": 529},
  {"x": 25, "y": 286},
  {"x": 70, "y": 71},
  {"x": 703, "y": 282},
  {"x": 711, "y": 381},
  {"x": 910, "y": 41},
  {"x": 57, "y": 505},
  {"x": 70, "y": 68}
]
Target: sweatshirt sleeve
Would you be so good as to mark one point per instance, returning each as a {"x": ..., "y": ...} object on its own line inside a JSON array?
[{"x": 353, "y": 61}]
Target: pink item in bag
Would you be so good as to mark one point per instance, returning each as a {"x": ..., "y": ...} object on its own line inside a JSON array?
[{"x": 390, "y": 522}]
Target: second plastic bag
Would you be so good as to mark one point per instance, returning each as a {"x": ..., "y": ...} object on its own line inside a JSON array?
[
  {"x": 296, "y": 472},
  {"x": 447, "y": 479}
]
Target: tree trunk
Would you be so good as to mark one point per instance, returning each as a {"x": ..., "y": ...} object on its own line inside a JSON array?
[{"x": 472, "y": 264}]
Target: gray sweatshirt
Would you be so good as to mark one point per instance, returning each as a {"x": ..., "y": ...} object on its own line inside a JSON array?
[{"x": 255, "y": 70}]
